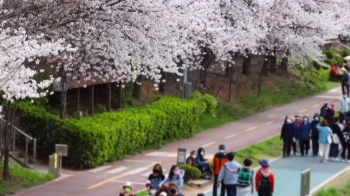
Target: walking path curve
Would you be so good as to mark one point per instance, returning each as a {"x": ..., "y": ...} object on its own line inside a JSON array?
[{"x": 108, "y": 180}]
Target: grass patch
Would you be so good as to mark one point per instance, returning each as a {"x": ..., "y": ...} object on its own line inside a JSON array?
[
  {"x": 281, "y": 93},
  {"x": 335, "y": 191},
  {"x": 21, "y": 178}
]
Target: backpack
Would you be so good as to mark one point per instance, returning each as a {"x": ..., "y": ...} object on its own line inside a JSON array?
[
  {"x": 245, "y": 177},
  {"x": 265, "y": 183},
  {"x": 345, "y": 78}
]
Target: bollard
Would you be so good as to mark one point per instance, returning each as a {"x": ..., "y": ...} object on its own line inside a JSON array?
[{"x": 305, "y": 183}]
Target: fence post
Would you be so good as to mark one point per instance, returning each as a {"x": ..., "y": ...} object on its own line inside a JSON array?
[{"x": 34, "y": 149}]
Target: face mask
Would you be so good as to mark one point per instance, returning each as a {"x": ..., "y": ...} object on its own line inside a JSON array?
[
  {"x": 289, "y": 121},
  {"x": 221, "y": 151},
  {"x": 317, "y": 119},
  {"x": 202, "y": 153},
  {"x": 127, "y": 190},
  {"x": 305, "y": 119},
  {"x": 194, "y": 156},
  {"x": 172, "y": 191},
  {"x": 156, "y": 171},
  {"x": 153, "y": 192},
  {"x": 177, "y": 172}
]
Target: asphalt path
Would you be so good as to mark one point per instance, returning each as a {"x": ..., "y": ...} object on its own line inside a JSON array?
[{"x": 108, "y": 180}]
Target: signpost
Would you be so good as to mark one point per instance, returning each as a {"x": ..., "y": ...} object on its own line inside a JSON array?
[
  {"x": 61, "y": 151},
  {"x": 305, "y": 183},
  {"x": 181, "y": 156}
]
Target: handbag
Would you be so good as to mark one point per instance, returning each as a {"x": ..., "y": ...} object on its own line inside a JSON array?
[{"x": 329, "y": 139}]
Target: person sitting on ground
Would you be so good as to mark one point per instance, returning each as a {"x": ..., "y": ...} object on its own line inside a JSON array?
[
  {"x": 203, "y": 164},
  {"x": 174, "y": 190},
  {"x": 192, "y": 159},
  {"x": 175, "y": 178},
  {"x": 127, "y": 190},
  {"x": 157, "y": 176},
  {"x": 265, "y": 179},
  {"x": 245, "y": 183}
]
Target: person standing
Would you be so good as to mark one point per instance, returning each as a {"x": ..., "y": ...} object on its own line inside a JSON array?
[
  {"x": 346, "y": 144},
  {"x": 288, "y": 133},
  {"x": 245, "y": 186},
  {"x": 265, "y": 179},
  {"x": 337, "y": 139},
  {"x": 219, "y": 160},
  {"x": 296, "y": 141},
  {"x": 314, "y": 134},
  {"x": 230, "y": 178},
  {"x": 345, "y": 82},
  {"x": 304, "y": 136},
  {"x": 344, "y": 105},
  {"x": 325, "y": 134}
]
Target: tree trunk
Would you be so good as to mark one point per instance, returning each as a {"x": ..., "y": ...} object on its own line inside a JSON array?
[
  {"x": 208, "y": 59},
  {"x": 137, "y": 88},
  {"x": 284, "y": 65},
  {"x": 230, "y": 90},
  {"x": 273, "y": 64},
  {"x": 260, "y": 81},
  {"x": 246, "y": 65},
  {"x": 265, "y": 68},
  {"x": 7, "y": 137},
  {"x": 63, "y": 109},
  {"x": 162, "y": 88}
]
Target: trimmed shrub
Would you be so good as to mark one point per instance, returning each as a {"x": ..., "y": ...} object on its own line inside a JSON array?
[
  {"x": 325, "y": 74},
  {"x": 210, "y": 101},
  {"x": 191, "y": 173},
  {"x": 111, "y": 136}
]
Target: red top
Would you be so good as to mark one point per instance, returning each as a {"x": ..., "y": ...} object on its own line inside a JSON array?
[{"x": 259, "y": 176}]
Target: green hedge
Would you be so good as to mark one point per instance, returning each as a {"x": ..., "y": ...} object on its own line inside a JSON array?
[
  {"x": 211, "y": 102},
  {"x": 111, "y": 136},
  {"x": 191, "y": 173}
]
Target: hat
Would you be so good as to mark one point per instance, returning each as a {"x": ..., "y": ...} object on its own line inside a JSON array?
[
  {"x": 163, "y": 194},
  {"x": 222, "y": 147},
  {"x": 264, "y": 163},
  {"x": 127, "y": 185}
]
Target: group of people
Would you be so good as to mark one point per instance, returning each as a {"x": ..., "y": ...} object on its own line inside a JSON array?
[{"x": 328, "y": 133}]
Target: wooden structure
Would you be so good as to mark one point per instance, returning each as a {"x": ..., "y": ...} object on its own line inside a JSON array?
[{"x": 88, "y": 91}]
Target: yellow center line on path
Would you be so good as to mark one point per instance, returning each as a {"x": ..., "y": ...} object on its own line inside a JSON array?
[
  {"x": 208, "y": 144},
  {"x": 114, "y": 178},
  {"x": 317, "y": 105},
  {"x": 251, "y": 128},
  {"x": 230, "y": 136},
  {"x": 268, "y": 123},
  {"x": 302, "y": 111}
]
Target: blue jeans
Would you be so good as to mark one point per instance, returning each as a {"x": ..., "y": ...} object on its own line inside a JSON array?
[{"x": 231, "y": 189}]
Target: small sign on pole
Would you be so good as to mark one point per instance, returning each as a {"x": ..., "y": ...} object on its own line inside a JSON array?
[
  {"x": 305, "y": 183},
  {"x": 181, "y": 156},
  {"x": 61, "y": 151}
]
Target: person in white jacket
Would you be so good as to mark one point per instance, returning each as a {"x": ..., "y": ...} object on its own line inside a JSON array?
[{"x": 344, "y": 105}]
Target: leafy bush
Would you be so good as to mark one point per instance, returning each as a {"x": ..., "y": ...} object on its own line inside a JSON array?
[
  {"x": 331, "y": 53},
  {"x": 316, "y": 65},
  {"x": 210, "y": 101},
  {"x": 325, "y": 74},
  {"x": 191, "y": 173},
  {"x": 111, "y": 136},
  {"x": 346, "y": 52}
]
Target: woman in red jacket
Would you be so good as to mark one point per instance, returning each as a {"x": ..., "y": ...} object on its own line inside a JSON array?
[{"x": 265, "y": 179}]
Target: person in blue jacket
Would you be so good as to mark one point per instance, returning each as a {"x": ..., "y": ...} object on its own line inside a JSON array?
[
  {"x": 288, "y": 134},
  {"x": 304, "y": 135},
  {"x": 314, "y": 134}
]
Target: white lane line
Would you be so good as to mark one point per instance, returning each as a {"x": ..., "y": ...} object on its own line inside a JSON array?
[
  {"x": 116, "y": 170},
  {"x": 138, "y": 183},
  {"x": 137, "y": 170},
  {"x": 99, "y": 169},
  {"x": 328, "y": 97}
]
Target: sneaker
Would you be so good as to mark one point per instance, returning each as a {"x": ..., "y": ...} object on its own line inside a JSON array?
[
  {"x": 336, "y": 159},
  {"x": 343, "y": 160}
]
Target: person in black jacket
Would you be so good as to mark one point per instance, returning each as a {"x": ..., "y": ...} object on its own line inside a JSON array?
[
  {"x": 288, "y": 134},
  {"x": 338, "y": 138},
  {"x": 314, "y": 134},
  {"x": 346, "y": 144}
]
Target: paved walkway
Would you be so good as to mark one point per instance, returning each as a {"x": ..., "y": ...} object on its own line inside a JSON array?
[
  {"x": 108, "y": 180},
  {"x": 288, "y": 174}
]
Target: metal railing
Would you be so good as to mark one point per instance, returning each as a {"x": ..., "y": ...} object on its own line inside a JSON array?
[{"x": 27, "y": 139}]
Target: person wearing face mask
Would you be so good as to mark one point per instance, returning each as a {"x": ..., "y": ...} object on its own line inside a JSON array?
[
  {"x": 174, "y": 177},
  {"x": 191, "y": 160},
  {"x": 219, "y": 160},
  {"x": 304, "y": 136},
  {"x": 296, "y": 142},
  {"x": 156, "y": 177},
  {"x": 203, "y": 164},
  {"x": 346, "y": 144},
  {"x": 173, "y": 190},
  {"x": 314, "y": 134},
  {"x": 337, "y": 139},
  {"x": 288, "y": 133},
  {"x": 127, "y": 190},
  {"x": 344, "y": 105}
]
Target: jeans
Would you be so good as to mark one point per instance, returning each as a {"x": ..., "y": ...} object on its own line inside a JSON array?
[
  {"x": 287, "y": 146},
  {"x": 215, "y": 188},
  {"x": 244, "y": 191},
  {"x": 231, "y": 189},
  {"x": 346, "y": 147},
  {"x": 304, "y": 146},
  {"x": 266, "y": 193},
  {"x": 334, "y": 150},
  {"x": 324, "y": 151},
  {"x": 345, "y": 88},
  {"x": 314, "y": 146}
]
